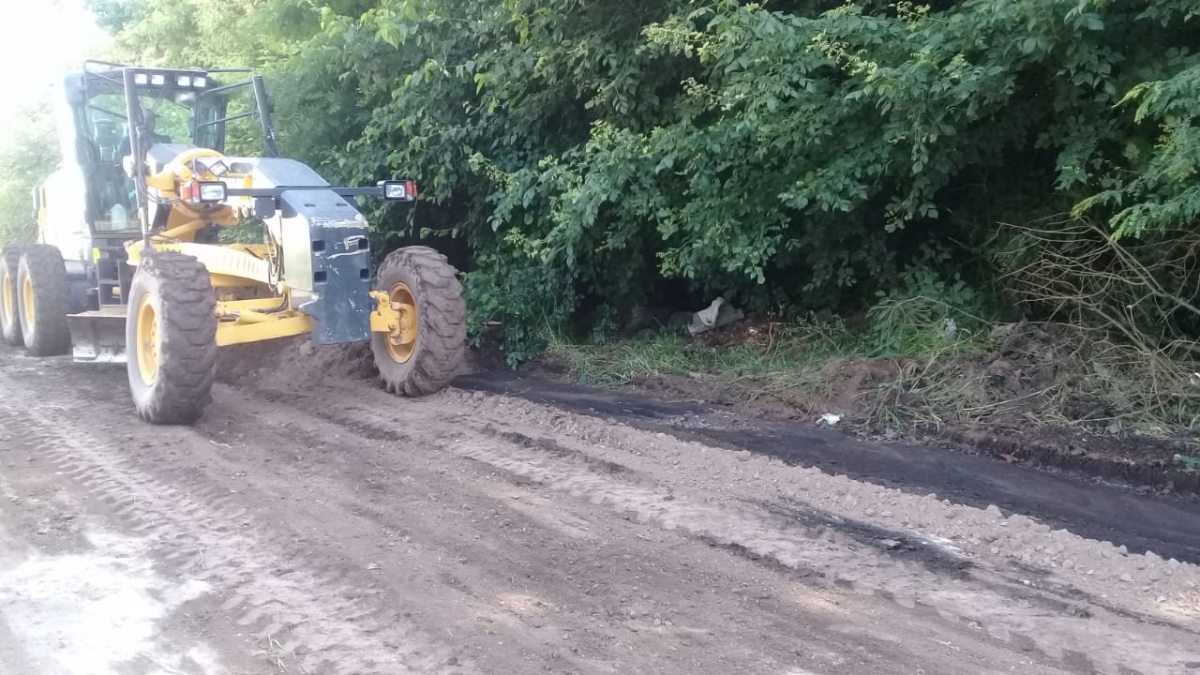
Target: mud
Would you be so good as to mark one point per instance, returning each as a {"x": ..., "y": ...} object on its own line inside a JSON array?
[
  {"x": 327, "y": 526},
  {"x": 1026, "y": 394},
  {"x": 1168, "y": 525},
  {"x": 1139, "y": 462}
]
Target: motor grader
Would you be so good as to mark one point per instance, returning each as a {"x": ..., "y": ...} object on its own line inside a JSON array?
[{"x": 132, "y": 265}]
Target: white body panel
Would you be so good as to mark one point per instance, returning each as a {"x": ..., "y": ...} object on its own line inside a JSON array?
[{"x": 66, "y": 226}]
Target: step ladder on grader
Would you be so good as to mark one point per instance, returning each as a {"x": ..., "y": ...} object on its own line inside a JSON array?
[{"x": 129, "y": 265}]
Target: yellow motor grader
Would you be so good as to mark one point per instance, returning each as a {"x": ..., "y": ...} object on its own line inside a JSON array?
[{"x": 131, "y": 264}]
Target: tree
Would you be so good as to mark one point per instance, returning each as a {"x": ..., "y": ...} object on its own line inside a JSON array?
[
  {"x": 793, "y": 155},
  {"x": 27, "y": 157}
]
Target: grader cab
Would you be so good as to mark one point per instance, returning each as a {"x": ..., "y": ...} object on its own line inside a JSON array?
[{"x": 131, "y": 264}]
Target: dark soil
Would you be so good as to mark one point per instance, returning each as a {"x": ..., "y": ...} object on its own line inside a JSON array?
[
  {"x": 1112, "y": 513},
  {"x": 1029, "y": 401}
]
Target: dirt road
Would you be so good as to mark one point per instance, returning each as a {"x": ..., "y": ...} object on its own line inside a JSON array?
[{"x": 316, "y": 524}]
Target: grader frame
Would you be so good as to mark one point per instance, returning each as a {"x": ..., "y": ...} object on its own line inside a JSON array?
[{"x": 164, "y": 295}]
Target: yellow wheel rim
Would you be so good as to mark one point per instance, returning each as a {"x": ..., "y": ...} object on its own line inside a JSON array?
[
  {"x": 147, "y": 342},
  {"x": 402, "y": 340},
  {"x": 7, "y": 297},
  {"x": 27, "y": 301}
]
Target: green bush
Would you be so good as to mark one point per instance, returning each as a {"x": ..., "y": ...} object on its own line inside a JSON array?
[
  {"x": 28, "y": 154},
  {"x": 524, "y": 297},
  {"x": 791, "y": 155}
]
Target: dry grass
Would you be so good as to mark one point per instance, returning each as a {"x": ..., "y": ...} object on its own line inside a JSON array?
[
  {"x": 274, "y": 653},
  {"x": 1016, "y": 375},
  {"x": 1113, "y": 356}
]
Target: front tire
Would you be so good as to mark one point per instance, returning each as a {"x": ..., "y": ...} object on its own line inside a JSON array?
[
  {"x": 43, "y": 298},
  {"x": 10, "y": 323},
  {"x": 427, "y": 352},
  {"x": 171, "y": 338}
]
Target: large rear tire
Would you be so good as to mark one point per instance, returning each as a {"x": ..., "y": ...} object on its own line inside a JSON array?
[
  {"x": 171, "y": 338},
  {"x": 428, "y": 350},
  {"x": 43, "y": 298},
  {"x": 10, "y": 323}
]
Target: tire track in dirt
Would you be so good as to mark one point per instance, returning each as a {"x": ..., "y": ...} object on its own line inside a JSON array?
[
  {"x": 1072, "y": 566},
  {"x": 414, "y": 421},
  {"x": 1089, "y": 508},
  {"x": 1085, "y": 639},
  {"x": 564, "y": 455},
  {"x": 207, "y": 463},
  {"x": 713, "y": 617},
  {"x": 841, "y": 566},
  {"x": 329, "y": 626}
]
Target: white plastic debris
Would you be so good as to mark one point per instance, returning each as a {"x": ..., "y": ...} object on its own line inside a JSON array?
[
  {"x": 715, "y": 315},
  {"x": 829, "y": 419},
  {"x": 705, "y": 319}
]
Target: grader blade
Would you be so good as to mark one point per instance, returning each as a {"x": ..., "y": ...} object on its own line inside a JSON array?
[{"x": 98, "y": 336}]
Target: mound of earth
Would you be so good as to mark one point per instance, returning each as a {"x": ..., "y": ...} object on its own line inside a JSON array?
[
  {"x": 295, "y": 361},
  {"x": 299, "y": 360}
]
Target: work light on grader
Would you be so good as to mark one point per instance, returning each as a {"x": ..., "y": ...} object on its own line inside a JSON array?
[{"x": 129, "y": 265}]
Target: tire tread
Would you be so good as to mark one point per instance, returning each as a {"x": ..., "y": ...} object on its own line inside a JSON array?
[
  {"x": 50, "y": 334},
  {"x": 10, "y": 326},
  {"x": 188, "y": 357},
  {"x": 442, "y": 331}
]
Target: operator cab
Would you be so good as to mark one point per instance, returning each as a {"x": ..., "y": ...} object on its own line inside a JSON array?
[
  {"x": 118, "y": 122},
  {"x": 178, "y": 108}
]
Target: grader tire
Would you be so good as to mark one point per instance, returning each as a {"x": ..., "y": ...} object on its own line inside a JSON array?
[
  {"x": 10, "y": 323},
  {"x": 43, "y": 301},
  {"x": 171, "y": 338},
  {"x": 421, "y": 278}
]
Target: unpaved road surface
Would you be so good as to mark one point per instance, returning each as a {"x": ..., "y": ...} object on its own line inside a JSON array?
[{"x": 312, "y": 523}]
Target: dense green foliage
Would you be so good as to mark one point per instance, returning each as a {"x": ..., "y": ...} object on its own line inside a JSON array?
[
  {"x": 28, "y": 154},
  {"x": 600, "y": 157}
]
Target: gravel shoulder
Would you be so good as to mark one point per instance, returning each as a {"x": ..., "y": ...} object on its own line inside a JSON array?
[{"x": 313, "y": 522}]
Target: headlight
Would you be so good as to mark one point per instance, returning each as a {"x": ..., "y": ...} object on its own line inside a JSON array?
[
  {"x": 212, "y": 192},
  {"x": 218, "y": 168},
  {"x": 399, "y": 190},
  {"x": 158, "y": 79},
  {"x": 183, "y": 80},
  {"x": 205, "y": 192},
  {"x": 395, "y": 191},
  {"x": 199, "y": 82},
  {"x": 141, "y": 78}
]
